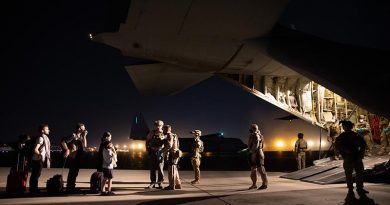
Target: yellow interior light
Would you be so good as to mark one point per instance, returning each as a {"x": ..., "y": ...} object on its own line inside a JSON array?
[
  {"x": 310, "y": 143},
  {"x": 280, "y": 144}
]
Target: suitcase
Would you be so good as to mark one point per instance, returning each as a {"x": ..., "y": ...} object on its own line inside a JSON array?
[
  {"x": 96, "y": 182},
  {"x": 55, "y": 185},
  {"x": 17, "y": 179}
]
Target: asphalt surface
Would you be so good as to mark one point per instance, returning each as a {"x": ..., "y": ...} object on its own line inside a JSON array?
[{"x": 216, "y": 187}]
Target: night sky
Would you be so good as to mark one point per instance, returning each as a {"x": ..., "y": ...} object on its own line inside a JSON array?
[{"x": 53, "y": 73}]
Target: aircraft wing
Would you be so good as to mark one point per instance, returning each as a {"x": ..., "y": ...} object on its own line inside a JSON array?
[
  {"x": 245, "y": 41},
  {"x": 164, "y": 78}
]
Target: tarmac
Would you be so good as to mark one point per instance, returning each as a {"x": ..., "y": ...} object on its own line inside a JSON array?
[{"x": 216, "y": 187}]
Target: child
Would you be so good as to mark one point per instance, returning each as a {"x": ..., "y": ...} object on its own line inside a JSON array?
[{"x": 109, "y": 162}]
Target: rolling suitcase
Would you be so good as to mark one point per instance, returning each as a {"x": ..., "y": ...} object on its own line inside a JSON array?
[{"x": 17, "y": 179}]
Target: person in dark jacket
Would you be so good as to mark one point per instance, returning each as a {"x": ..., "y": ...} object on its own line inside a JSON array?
[
  {"x": 352, "y": 148},
  {"x": 74, "y": 148}
]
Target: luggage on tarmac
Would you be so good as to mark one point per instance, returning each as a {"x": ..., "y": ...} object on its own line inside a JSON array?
[
  {"x": 96, "y": 182},
  {"x": 55, "y": 185},
  {"x": 17, "y": 179}
]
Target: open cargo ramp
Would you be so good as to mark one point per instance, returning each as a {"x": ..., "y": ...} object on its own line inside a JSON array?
[{"x": 331, "y": 171}]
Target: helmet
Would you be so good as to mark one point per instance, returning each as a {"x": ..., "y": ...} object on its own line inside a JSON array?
[
  {"x": 254, "y": 128},
  {"x": 198, "y": 132},
  {"x": 158, "y": 123}
]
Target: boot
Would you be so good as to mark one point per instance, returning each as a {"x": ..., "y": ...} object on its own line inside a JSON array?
[
  {"x": 350, "y": 198},
  {"x": 253, "y": 186},
  {"x": 178, "y": 186},
  {"x": 151, "y": 185},
  {"x": 195, "y": 182},
  {"x": 159, "y": 186},
  {"x": 169, "y": 188},
  {"x": 362, "y": 191},
  {"x": 264, "y": 186}
]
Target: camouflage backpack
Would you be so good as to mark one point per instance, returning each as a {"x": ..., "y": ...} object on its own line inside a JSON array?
[{"x": 201, "y": 147}]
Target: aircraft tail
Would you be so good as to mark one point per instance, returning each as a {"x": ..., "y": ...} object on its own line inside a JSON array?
[{"x": 139, "y": 128}]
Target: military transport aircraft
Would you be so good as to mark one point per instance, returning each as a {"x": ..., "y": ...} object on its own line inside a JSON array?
[{"x": 321, "y": 61}]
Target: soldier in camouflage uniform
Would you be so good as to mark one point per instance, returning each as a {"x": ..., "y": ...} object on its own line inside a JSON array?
[
  {"x": 255, "y": 148},
  {"x": 300, "y": 150},
  {"x": 154, "y": 146},
  {"x": 334, "y": 130},
  {"x": 385, "y": 137},
  {"x": 197, "y": 148},
  {"x": 364, "y": 129},
  {"x": 172, "y": 155}
]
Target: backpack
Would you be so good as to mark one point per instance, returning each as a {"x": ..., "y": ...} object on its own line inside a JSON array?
[
  {"x": 55, "y": 185},
  {"x": 261, "y": 141},
  {"x": 201, "y": 147},
  {"x": 178, "y": 152},
  {"x": 96, "y": 182}
]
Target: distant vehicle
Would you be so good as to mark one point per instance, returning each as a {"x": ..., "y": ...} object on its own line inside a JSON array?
[
  {"x": 5, "y": 148},
  {"x": 215, "y": 143}
]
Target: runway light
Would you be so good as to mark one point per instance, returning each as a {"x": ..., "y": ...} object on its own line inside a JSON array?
[
  {"x": 310, "y": 143},
  {"x": 140, "y": 146},
  {"x": 280, "y": 144},
  {"x": 208, "y": 154},
  {"x": 133, "y": 146}
]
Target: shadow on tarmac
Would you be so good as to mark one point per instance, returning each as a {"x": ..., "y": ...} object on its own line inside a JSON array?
[
  {"x": 86, "y": 191},
  {"x": 169, "y": 201},
  {"x": 117, "y": 182},
  {"x": 176, "y": 201},
  {"x": 27, "y": 194},
  {"x": 363, "y": 200}
]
